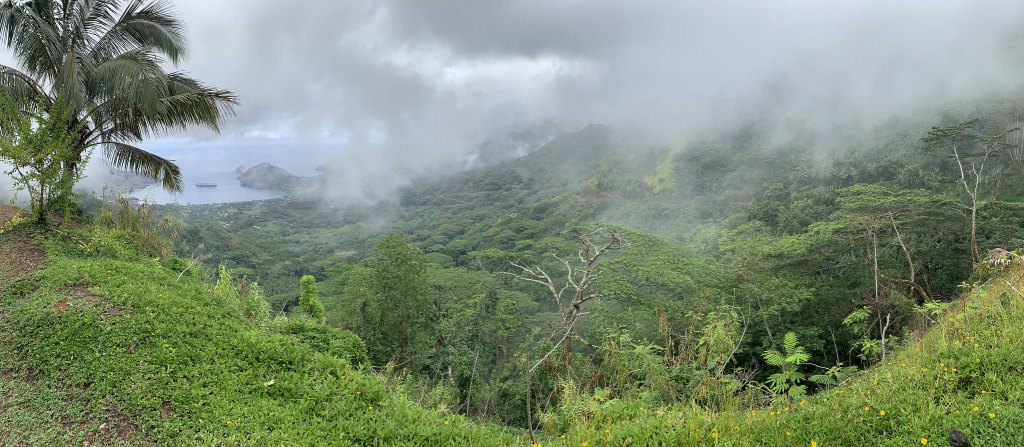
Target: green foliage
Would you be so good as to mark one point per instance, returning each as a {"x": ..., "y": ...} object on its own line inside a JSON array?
[
  {"x": 963, "y": 373},
  {"x": 106, "y": 60},
  {"x": 325, "y": 339},
  {"x": 154, "y": 233},
  {"x": 165, "y": 360},
  {"x": 38, "y": 146},
  {"x": 226, "y": 290},
  {"x": 440, "y": 259},
  {"x": 309, "y": 303},
  {"x": 788, "y": 381},
  {"x": 664, "y": 177},
  {"x": 254, "y": 305},
  {"x": 114, "y": 243},
  {"x": 394, "y": 306}
]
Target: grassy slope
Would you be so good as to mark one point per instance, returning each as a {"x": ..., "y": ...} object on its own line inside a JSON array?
[
  {"x": 34, "y": 412},
  {"x": 966, "y": 372},
  {"x": 138, "y": 358},
  {"x": 157, "y": 359}
]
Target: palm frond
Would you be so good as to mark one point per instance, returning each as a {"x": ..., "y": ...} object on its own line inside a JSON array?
[
  {"x": 154, "y": 106},
  {"x": 34, "y": 39},
  {"x": 106, "y": 58},
  {"x": 136, "y": 160},
  {"x": 24, "y": 90},
  {"x": 96, "y": 17},
  {"x": 116, "y": 76},
  {"x": 141, "y": 25}
]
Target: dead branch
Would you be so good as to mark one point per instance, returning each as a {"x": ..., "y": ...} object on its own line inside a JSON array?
[{"x": 578, "y": 278}]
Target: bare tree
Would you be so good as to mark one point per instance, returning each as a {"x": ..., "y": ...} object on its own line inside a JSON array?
[
  {"x": 971, "y": 152},
  {"x": 1015, "y": 140},
  {"x": 910, "y": 263},
  {"x": 572, "y": 292}
]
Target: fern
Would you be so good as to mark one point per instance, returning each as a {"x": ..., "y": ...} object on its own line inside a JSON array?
[
  {"x": 787, "y": 382},
  {"x": 774, "y": 358}
]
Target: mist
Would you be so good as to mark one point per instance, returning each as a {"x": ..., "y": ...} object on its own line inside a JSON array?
[
  {"x": 387, "y": 92},
  {"x": 6, "y": 184}
]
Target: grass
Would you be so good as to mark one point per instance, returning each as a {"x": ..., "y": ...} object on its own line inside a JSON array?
[
  {"x": 115, "y": 350},
  {"x": 131, "y": 343},
  {"x": 965, "y": 373}
]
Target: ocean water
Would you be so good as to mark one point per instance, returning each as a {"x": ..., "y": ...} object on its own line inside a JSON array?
[
  {"x": 217, "y": 162},
  {"x": 228, "y": 190}
]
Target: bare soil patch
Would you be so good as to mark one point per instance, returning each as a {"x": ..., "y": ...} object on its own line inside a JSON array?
[
  {"x": 7, "y": 213},
  {"x": 19, "y": 256}
]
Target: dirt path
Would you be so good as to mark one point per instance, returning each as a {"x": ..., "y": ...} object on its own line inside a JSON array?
[
  {"x": 23, "y": 401},
  {"x": 19, "y": 256},
  {"x": 7, "y": 213}
]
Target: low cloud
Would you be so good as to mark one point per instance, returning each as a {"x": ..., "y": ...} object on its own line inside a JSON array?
[{"x": 389, "y": 91}]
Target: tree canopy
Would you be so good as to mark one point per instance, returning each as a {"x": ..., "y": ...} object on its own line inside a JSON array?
[{"x": 108, "y": 59}]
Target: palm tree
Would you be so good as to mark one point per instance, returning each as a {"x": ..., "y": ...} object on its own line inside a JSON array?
[{"x": 107, "y": 59}]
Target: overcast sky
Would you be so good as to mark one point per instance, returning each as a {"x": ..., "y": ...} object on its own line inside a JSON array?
[
  {"x": 408, "y": 86},
  {"x": 361, "y": 71}
]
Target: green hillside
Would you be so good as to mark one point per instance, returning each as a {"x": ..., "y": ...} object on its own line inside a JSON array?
[
  {"x": 723, "y": 248},
  {"x": 964, "y": 373},
  {"x": 726, "y": 292},
  {"x": 106, "y": 346},
  {"x": 579, "y": 224}
]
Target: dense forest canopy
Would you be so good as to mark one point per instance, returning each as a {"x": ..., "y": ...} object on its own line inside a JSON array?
[
  {"x": 723, "y": 246},
  {"x": 532, "y": 222}
]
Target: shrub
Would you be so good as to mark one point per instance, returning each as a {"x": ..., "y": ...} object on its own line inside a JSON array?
[
  {"x": 154, "y": 234},
  {"x": 113, "y": 243},
  {"x": 254, "y": 304},
  {"x": 38, "y": 148},
  {"x": 226, "y": 291},
  {"x": 325, "y": 339},
  {"x": 308, "y": 301}
]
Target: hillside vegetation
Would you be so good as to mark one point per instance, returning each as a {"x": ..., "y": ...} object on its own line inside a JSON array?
[
  {"x": 792, "y": 262},
  {"x": 963, "y": 374},
  {"x": 105, "y": 345},
  {"x": 739, "y": 289},
  {"x": 110, "y": 347},
  {"x": 717, "y": 248}
]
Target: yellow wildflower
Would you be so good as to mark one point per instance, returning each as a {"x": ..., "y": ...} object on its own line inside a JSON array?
[
  {"x": 975, "y": 409},
  {"x": 537, "y": 444},
  {"x": 584, "y": 444},
  {"x": 446, "y": 422},
  {"x": 991, "y": 415},
  {"x": 881, "y": 413},
  {"x": 814, "y": 443},
  {"x": 924, "y": 441}
]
